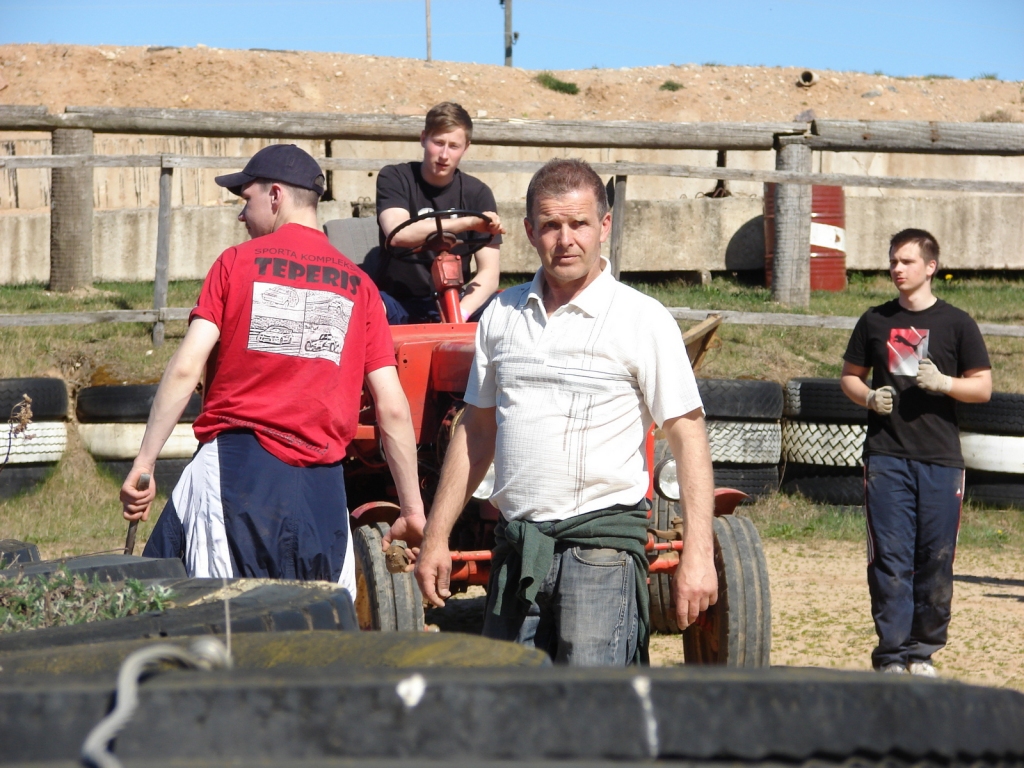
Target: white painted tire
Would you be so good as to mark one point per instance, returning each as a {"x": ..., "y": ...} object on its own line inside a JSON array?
[
  {"x": 993, "y": 453},
  {"x": 745, "y": 442},
  {"x": 42, "y": 441},
  {"x": 827, "y": 445},
  {"x": 122, "y": 441}
]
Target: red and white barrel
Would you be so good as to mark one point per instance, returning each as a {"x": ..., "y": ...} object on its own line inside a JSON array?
[{"x": 828, "y": 237}]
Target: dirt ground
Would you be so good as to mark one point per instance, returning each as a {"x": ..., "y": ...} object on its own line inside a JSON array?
[
  {"x": 821, "y": 614},
  {"x": 213, "y": 78}
]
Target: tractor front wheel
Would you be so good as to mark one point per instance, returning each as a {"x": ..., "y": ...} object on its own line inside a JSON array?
[{"x": 390, "y": 602}]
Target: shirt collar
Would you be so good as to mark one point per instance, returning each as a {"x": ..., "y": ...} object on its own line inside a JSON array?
[{"x": 593, "y": 300}]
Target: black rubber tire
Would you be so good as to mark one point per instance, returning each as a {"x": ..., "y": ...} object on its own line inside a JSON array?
[
  {"x": 49, "y": 397},
  {"x": 278, "y": 607},
  {"x": 742, "y": 399},
  {"x": 388, "y": 602},
  {"x": 995, "y": 489},
  {"x": 125, "y": 404},
  {"x": 1002, "y": 415},
  {"x": 659, "y": 585},
  {"x": 19, "y": 478},
  {"x": 821, "y": 400},
  {"x": 14, "y": 551},
  {"x": 755, "y": 480},
  {"x": 522, "y": 716},
  {"x": 738, "y": 630},
  {"x": 105, "y": 567},
  {"x": 167, "y": 471},
  {"x": 838, "y": 486}
]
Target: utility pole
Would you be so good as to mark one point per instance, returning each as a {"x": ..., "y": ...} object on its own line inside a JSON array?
[
  {"x": 508, "y": 31},
  {"x": 428, "y": 30}
]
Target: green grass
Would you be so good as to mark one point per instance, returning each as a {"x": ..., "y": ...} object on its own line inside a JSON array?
[
  {"x": 987, "y": 76},
  {"x": 552, "y": 83},
  {"x": 671, "y": 85},
  {"x": 64, "y": 599}
]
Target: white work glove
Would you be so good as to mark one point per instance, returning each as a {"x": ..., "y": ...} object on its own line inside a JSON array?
[
  {"x": 929, "y": 378},
  {"x": 880, "y": 400}
]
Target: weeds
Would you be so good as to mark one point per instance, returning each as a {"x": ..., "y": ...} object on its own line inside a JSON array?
[
  {"x": 671, "y": 85},
  {"x": 987, "y": 76},
  {"x": 64, "y": 599},
  {"x": 552, "y": 83},
  {"x": 999, "y": 116}
]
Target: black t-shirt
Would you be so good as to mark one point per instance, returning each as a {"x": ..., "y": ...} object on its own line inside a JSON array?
[
  {"x": 402, "y": 186},
  {"x": 891, "y": 341}
]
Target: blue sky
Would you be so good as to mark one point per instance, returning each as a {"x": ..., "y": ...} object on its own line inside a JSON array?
[{"x": 955, "y": 37}]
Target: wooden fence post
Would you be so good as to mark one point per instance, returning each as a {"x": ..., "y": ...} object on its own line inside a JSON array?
[
  {"x": 791, "y": 269},
  {"x": 71, "y": 214},
  {"x": 618, "y": 224},
  {"x": 163, "y": 251}
]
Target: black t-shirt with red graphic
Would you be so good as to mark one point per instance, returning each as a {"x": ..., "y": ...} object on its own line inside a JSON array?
[{"x": 891, "y": 341}]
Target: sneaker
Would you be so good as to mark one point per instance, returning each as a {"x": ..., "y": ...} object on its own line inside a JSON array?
[
  {"x": 922, "y": 669},
  {"x": 893, "y": 669}
]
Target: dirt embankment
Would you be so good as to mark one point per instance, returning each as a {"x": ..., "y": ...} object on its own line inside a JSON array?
[{"x": 213, "y": 78}]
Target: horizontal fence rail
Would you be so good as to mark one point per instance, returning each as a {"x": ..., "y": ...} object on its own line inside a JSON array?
[
  {"x": 103, "y": 316},
  {"x": 530, "y": 167}
]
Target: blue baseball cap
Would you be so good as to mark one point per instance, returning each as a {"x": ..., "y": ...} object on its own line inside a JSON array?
[{"x": 278, "y": 162}]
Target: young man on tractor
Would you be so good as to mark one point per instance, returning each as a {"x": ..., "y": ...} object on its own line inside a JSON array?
[
  {"x": 569, "y": 373},
  {"x": 435, "y": 184},
  {"x": 925, "y": 355},
  {"x": 287, "y": 330}
]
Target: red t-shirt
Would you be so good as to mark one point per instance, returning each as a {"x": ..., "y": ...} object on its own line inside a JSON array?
[{"x": 300, "y": 326}]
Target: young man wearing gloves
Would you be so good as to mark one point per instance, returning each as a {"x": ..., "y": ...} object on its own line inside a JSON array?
[{"x": 924, "y": 355}]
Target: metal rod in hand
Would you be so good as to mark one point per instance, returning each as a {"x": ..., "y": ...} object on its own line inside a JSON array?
[{"x": 129, "y": 542}]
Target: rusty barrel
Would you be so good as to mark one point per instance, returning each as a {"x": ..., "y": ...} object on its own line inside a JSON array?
[{"x": 828, "y": 237}]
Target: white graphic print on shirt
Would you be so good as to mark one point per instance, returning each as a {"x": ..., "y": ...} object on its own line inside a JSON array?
[{"x": 298, "y": 322}]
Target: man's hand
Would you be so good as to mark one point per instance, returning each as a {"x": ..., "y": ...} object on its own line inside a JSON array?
[
  {"x": 930, "y": 379},
  {"x": 434, "y": 571},
  {"x": 880, "y": 400},
  {"x": 694, "y": 586},
  {"x": 489, "y": 225},
  {"x": 408, "y": 528},
  {"x": 135, "y": 503}
]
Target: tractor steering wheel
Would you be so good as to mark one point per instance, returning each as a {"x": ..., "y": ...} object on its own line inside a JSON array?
[{"x": 441, "y": 240}]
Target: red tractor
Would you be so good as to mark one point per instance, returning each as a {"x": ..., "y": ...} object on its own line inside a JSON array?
[{"x": 434, "y": 361}]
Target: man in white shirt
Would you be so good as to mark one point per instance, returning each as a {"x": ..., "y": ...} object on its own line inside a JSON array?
[{"x": 570, "y": 371}]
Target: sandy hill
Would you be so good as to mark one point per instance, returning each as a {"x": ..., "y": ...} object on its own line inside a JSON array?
[{"x": 212, "y": 78}]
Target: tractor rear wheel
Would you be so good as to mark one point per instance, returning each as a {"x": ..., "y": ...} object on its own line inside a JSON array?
[
  {"x": 389, "y": 602},
  {"x": 737, "y": 630}
]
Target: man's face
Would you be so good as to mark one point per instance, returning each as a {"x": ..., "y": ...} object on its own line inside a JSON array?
[
  {"x": 567, "y": 233},
  {"x": 260, "y": 212},
  {"x": 908, "y": 269},
  {"x": 441, "y": 155}
]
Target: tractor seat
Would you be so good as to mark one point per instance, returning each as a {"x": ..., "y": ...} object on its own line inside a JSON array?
[{"x": 358, "y": 240}]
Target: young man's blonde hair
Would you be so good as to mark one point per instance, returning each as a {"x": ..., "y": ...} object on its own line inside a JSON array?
[{"x": 446, "y": 117}]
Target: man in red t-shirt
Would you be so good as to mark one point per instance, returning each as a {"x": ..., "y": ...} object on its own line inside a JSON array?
[{"x": 288, "y": 330}]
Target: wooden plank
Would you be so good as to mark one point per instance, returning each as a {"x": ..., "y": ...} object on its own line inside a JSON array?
[
  {"x": 917, "y": 136},
  {"x": 163, "y": 252},
  {"x": 104, "y": 316},
  {"x": 319, "y": 125},
  {"x": 530, "y": 167},
  {"x": 791, "y": 268}
]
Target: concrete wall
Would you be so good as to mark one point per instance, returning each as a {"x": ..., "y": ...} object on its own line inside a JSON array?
[{"x": 670, "y": 224}]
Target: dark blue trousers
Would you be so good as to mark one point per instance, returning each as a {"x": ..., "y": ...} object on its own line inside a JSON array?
[{"x": 913, "y": 518}]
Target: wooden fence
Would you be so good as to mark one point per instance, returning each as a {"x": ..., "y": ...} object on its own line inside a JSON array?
[{"x": 793, "y": 143}]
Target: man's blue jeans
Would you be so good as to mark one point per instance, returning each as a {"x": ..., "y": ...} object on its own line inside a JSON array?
[
  {"x": 585, "y": 614},
  {"x": 913, "y": 518}
]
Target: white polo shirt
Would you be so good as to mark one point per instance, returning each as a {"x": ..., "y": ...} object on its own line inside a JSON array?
[{"x": 575, "y": 394}]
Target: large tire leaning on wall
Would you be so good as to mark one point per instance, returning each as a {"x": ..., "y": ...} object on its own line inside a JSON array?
[
  {"x": 21, "y": 478},
  {"x": 995, "y": 489},
  {"x": 744, "y": 442},
  {"x": 741, "y": 399},
  {"x": 737, "y": 630},
  {"x": 49, "y": 397},
  {"x": 821, "y": 400},
  {"x": 390, "y": 602},
  {"x": 124, "y": 404},
  {"x": 829, "y": 445},
  {"x": 754, "y": 480},
  {"x": 1002, "y": 415},
  {"x": 838, "y": 486}
]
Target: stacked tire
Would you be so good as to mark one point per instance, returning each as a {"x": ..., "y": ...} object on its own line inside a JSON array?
[
  {"x": 31, "y": 454},
  {"x": 112, "y": 422},
  {"x": 823, "y": 443},
  {"x": 992, "y": 441},
  {"x": 744, "y": 432}
]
